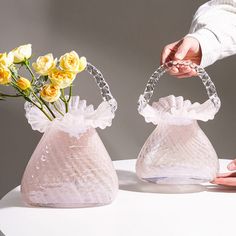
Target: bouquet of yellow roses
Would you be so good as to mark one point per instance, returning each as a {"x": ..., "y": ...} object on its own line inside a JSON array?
[
  {"x": 53, "y": 77},
  {"x": 44, "y": 93}
]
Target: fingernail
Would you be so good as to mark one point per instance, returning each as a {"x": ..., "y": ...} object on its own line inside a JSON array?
[{"x": 231, "y": 166}]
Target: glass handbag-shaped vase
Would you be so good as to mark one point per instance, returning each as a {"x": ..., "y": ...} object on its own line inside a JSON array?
[
  {"x": 177, "y": 151},
  {"x": 70, "y": 167}
]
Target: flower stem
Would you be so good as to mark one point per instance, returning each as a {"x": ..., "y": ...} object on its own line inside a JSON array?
[
  {"x": 46, "y": 105},
  {"x": 38, "y": 99},
  {"x": 13, "y": 75},
  {"x": 45, "y": 113},
  {"x": 57, "y": 109},
  {"x": 40, "y": 108},
  {"x": 42, "y": 102},
  {"x": 29, "y": 100},
  {"x": 64, "y": 99},
  {"x": 10, "y": 95},
  {"x": 70, "y": 93},
  {"x": 26, "y": 63},
  {"x": 14, "y": 85}
]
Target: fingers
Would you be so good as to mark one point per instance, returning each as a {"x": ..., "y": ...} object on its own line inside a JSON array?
[
  {"x": 192, "y": 73},
  {"x": 182, "y": 72},
  {"x": 176, "y": 51},
  {"x": 183, "y": 49},
  {"x": 186, "y": 49},
  {"x": 169, "y": 52},
  {"x": 229, "y": 181},
  {"x": 232, "y": 165},
  {"x": 179, "y": 51}
]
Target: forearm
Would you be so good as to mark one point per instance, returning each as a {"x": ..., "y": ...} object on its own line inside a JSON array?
[{"x": 214, "y": 26}]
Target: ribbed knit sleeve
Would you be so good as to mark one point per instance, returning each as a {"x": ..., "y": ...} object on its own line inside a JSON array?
[{"x": 214, "y": 26}]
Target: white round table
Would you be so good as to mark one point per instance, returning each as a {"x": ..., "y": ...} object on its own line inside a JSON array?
[{"x": 139, "y": 209}]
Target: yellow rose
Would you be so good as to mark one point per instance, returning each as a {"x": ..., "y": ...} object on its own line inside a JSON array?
[
  {"x": 71, "y": 62},
  {"x": 23, "y": 83},
  {"x": 61, "y": 78},
  {"x": 5, "y": 75},
  {"x": 22, "y": 52},
  {"x": 50, "y": 93},
  {"x": 6, "y": 59},
  {"x": 45, "y": 64}
]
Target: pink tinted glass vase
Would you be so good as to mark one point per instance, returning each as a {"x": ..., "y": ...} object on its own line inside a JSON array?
[
  {"x": 66, "y": 171},
  {"x": 177, "y": 151},
  {"x": 70, "y": 166}
]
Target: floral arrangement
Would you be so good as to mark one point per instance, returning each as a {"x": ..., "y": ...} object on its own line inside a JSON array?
[
  {"x": 47, "y": 104},
  {"x": 49, "y": 77}
]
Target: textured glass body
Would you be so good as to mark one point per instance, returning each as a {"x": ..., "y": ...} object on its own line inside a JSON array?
[
  {"x": 177, "y": 154},
  {"x": 65, "y": 171}
]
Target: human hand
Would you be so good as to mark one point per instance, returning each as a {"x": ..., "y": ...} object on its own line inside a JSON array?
[
  {"x": 228, "y": 179},
  {"x": 187, "y": 48}
]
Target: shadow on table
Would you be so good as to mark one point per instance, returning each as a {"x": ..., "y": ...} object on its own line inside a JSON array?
[
  {"x": 128, "y": 181},
  {"x": 13, "y": 201}
]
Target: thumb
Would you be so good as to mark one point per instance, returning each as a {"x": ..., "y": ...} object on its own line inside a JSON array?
[{"x": 182, "y": 49}]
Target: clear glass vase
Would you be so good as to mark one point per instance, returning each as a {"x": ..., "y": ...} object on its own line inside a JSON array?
[
  {"x": 175, "y": 154},
  {"x": 177, "y": 151}
]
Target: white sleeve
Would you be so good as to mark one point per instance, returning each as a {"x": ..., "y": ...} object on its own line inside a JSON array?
[{"x": 214, "y": 26}]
